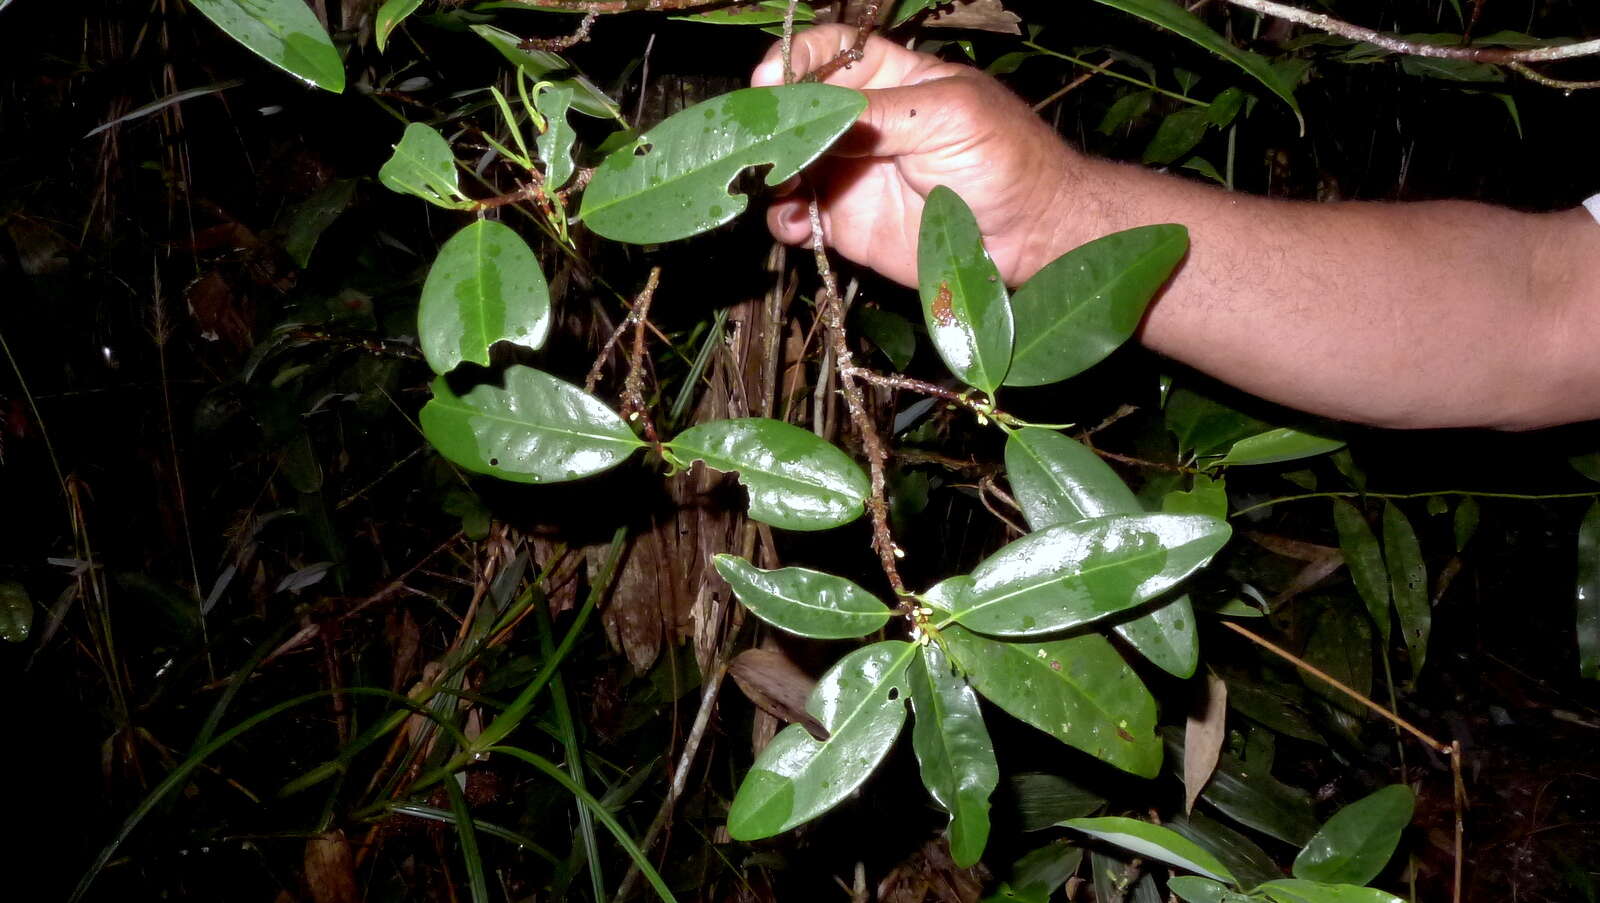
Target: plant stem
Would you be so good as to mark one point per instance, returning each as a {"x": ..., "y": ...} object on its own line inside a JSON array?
[{"x": 1348, "y": 494}]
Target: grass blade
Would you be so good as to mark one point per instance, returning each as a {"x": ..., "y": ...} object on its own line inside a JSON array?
[{"x": 469, "y": 840}]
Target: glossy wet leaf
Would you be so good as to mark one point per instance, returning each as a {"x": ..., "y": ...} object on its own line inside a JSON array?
[
  {"x": 909, "y": 8},
  {"x": 1057, "y": 480},
  {"x": 16, "y": 612},
  {"x": 1249, "y": 863},
  {"x": 1251, "y": 796},
  {"x": 1588, "y": 594},
  {"x": 954, "y": 751},
  {"x": 285, "y": 33},
  {"x": 964, "y": 302},
  {"x": 1086, "y": 303},
  {"x": 1207, "y": 495},
  {"x": 1077, "y": 690},
  {"x": 796, "y": 480},
  {"x": 765, "y": 12},
  {"x": 534, "y": 429},
  {"x": 673, "y": 181},
  {"x": 1153, "y": 842},
  {"x": 1194, "y": 889},
  {"x": 1071, "y": 574},
  {"x": 423, "y": 165},
  {"x": 1408, "y": 581},
  {"x": 891, "y": 332},
  {"x": 1365, "y": 560},
  {"x": 861, "y": 702},
  {"x": 389, "y": 17},
  {"x": 541, "y": 65},
  {"x": 1165, "y": 636},
  {"x": 1295, "y": 890},
  {"x": 1204, "y": 426},
  {"x": 1355, "y": 844},
  {"x": 1276, "y": 446},
  {"x": 555, "y": 144},
  {"x": 1175, "y": 18},
  {"x": 804, "y": 602},
  {"x": 484, "y": 287}
]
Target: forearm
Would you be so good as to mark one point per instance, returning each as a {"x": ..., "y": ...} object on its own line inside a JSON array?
[{"x": 1403, "y": 315}]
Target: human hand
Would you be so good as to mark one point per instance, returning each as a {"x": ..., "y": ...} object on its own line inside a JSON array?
[{"x": 928, "y": 123}]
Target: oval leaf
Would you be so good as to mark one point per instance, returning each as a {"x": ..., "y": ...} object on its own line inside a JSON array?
[
  {"x": 964, "y": 302},
  {"x": 1087, "y": 302},
  {"x": 555, "y": 145},
  {"x": 1078, "y": 690},
  {"x": 1279, "y": 445},
  {"x": 1153, "y": 842},
  {"x": 796, "y": 480},
  {"x": 587, "y": 98},
  {"x": 673, "y": 181},
  {"x": 1408, "y": 581},
  {"x": 1192, "y": 889},
  {"x": 1071, "y": 574},
  {"x": 1057, "y": 480},
  {"x": 16, "y": 612},
  {"x": 1166, "y": 637},
  {"x": 804, "y": 602},
  {"x": 1295, "y": 890},
  {"x": 537, "y": 429},
  {"x": 389, "y": 17},
  {"x": 1249, "y": 863},
  {"x": 861, "y": 702},
  {"x": 1365, "y": 560},
  {"x": 1359, "y": 840},
  {"x": 954, "y": 751},
  {"x": 423, "y": 164},
  {"x": 285, "y": 33},
  {"x": 484, "y": 287}
]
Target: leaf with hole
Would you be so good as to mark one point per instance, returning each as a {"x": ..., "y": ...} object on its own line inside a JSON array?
[
  {"x": 954, "y": 751},
  {"x": 423, "y": 165},
  {"x": 804, "y": 602},
  {"x": 1277, "y": 446},
  {"x": 533, "y": 429},
  {"x": 1071, "y": 574},
  {"x": 861, "y": 702},
  {"x": 1077, "y": 690},
  {"x": 1355, "y": 844},
  {"x": 484, "y": 287},
  {"x": 796, "y": 480},
  {"x": 389, "y": 17},
  {"x": 964, "y": 302},
  {"x": 1153, "y": 842},
  {"x": 1083, "y": 305},
  {"x": 285, "y": 33},
  {"x": 673, "y": 181},
  {"x": 1408, "y": 581},
  {"x": 540, "y": 65},
  {"x": 1295, "y": 890}
]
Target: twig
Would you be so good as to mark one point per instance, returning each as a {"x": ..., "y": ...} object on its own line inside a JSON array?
[
  {"x": 1560, "y": 84},
  {"x": 1311, "y": 669},
  {"x": 633, "y": 317},
  {"x": 1350, "y": 494},
  {"x": 556, "y": 45},
  {"x": 986, "y": 487},
  {"x": 1460, "y": 795},
  {"x": 865, "y": 24},
  {"x": 1141, "y": 462},
  {"x": 633, "y": 406}
]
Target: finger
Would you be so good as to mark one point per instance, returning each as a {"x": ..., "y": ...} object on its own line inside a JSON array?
[
  {"x": 883, "y": 63},
  {"x": 789, "y": 220},
  {"x": 923, "y": 117}
]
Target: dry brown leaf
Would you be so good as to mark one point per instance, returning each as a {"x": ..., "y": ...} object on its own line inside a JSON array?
[
  {"x": 1313, "y": 573},
  {"x": 982, "y": 15},
  {"x": 1291, "y": 548},
  {"x": 331, "y": 869},
  {"x": 1203, "y": 736},
  {"x": 777, "y": 686}
]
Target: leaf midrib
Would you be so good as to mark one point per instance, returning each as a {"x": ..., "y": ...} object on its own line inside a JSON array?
[
  {"x": 850, "y": 612},
  {"x": 1033, "y": 586},
  {"x": 500, "y": 418},
  {"x": 728, "y": 465}
]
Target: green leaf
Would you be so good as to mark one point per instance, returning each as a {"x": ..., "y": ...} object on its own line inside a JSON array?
[
  {"x": 964, "y": 301},
  {"x": 1077, "y": 690},
  {"x": 1192, "y": 889},
  {"x": 1208, "y": 496},
  {"x": 1451, "y": 70},
  {"x": 909, "y": 8},
  {"x": 1408, "y": 580},
  {"x": 1176, "y": 19},
  {"x": 766, "y": 12},
  {"x": 16, "y": 612},
  {"x": 1359, "y": 840},
  {"x": 673, "y": 181},
  {"x": 1176, "y": 136},
  {"x": 861, "y": 702},
  {"x": 313, "y": 216},
  {"x": 1225, "y": 106},
  {"x": 1124, "y": 110},
  {"x": 1294, "y": 890},
  {"x": 1083, "y": 305},
  {"x": 892, "y": 334},
  {"x": 1044, "y": 799},
  {"x": 484, "y": 287},
  {"x": 389, "y": 17},
  {"x": 1464, "y": 522},
  {"x": 555, "y": 145},
  {"x": 954, "y": 751},
  {"x": 1341, "y": 647},
  {"x": 1206, "y": 427},
  {"x": 1039, "y": 873},
  {"x": 537, "y": 429},
  {"x": 1588, "y": 594},
  {"x": 1281, "y": 707},
  {"x": 1071, "y": 574},
  {"x": 804, "y": 602},
  {"x": 1250, "y": 795},
  {"x": 1166, "y": 637},
  {"x": 1365, "y": 560},
  {"x": 539, "y": 64},
  {"x": 423, "y": 164},
  {"x": 1275, "y": 446},
  {"x": 1204, "y": 167},
  {"x": 285, "y": 33},
  {"x": 1153, "y": 842},
  {"x": 1057, "y": 480},
  {"x": 1249, "y": 863},
  {"x": 796, "y": 480}
]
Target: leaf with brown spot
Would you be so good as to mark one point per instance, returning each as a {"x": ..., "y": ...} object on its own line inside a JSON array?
[
  {"x": 777, "y": 686},
  {"x": 1204, "y": 733}
]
